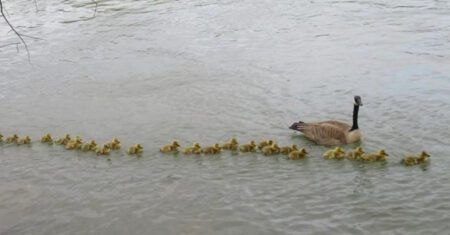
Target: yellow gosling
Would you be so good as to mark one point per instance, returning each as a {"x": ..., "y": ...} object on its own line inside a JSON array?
[
  {"x": 297, "y": 154},
  {"x": 25, "y": 140},
  {"x": 194, "y": 149},
  {"x": 232, "y": 144},
  {"x": 376, "y": 156},
  {"x": 264, "y": 143},
  {"x": 135, "y": 149},
  {"x": 212, "y": 149},
  {"x": 249, "y": 147},
  {"x": 75, "y": 143},
  {"x": 422, "y": 157},
  {"x": 271, "y": 150},
  {"x": 336, "y": 153},
  {"x": 288, "y": 149},
  {"x": 89, "y": 146},
  {"x": 64, "y": 140},
  {"x": 103, "y": 150},
  {"x": 173, "y": 147},
  {"x": 47, "y": 138},
  {"x": 355, "y": 154},
  {"x": 1, "y": 137},
  {"x": 114, "y": 144},
  {"x": 12, "y": 139}
]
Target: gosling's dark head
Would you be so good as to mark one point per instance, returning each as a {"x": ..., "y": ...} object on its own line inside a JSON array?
[{"x": 358, "y": 101}]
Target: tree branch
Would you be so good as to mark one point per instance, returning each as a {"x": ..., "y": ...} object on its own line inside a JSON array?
[{"x": 14, "y": 30}]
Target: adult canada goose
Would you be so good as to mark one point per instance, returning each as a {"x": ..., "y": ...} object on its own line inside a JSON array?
[{"x": 332, "y": 132}]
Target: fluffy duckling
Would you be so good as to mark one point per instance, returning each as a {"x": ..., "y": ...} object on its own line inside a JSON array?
[
  {"x": 104, "y": 150},
  {"x": 355, "y": 154},
  {"x": 271, "y": 150},
  {"x": 232, "y": 144},
  {"x": 114, "y": 144},
  {"x": 89, "y": 146},
  {"x": 194, "y": 149},
  {"x": 75, "y": 143},
  {"x": 422, "y": 157},
  {"x": 12, "y": 139},
  {"x": 24, "y": 140},
  {"x": 376, "y": 156},
  {"x": 336, "y": 153},
  {"x": 135, "y": 149},
  {"x": 297, "y": 154},
  {"x": 264, "y": 143},
  {"x": 1, "y": 137},
  {"x": 212, "y": 149},
  {"x": 47, "y": 138},
  {"x": 288, "y": 149},
  {"x": 249, "y": 147},
  {"x": 172, "y": 147},
  {"x": 64, "y": 140}
]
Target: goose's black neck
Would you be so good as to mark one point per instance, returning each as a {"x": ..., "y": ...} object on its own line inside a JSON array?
[{"x": 355, "y": 117}]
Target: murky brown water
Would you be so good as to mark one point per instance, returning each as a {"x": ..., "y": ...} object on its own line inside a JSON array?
[{"x": 151, "y": 71}]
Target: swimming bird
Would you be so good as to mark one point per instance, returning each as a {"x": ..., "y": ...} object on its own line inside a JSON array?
[
  {"x": 47, "y": 138},
  {"x": 375, "y": 157},
  {"x": 336, "y": 153},
  {"x": 355, "y": 154},
  {"x": 64, "y": 140},
  {"x": 212, "y": 149},
  {"x": 103, "y": 150},
  {"x": 1, "y": 137},
  {"x": 12, "y": 139},
  {"x": 332, "y": 132},
  {"x": 288, "y": 149},
  {"x": 135, "y": 149},
  {"x": 271, "y": 150},
  {"x": 264, "y": 143},
  {"x": 249, "y": 147},
  {"x": 414, "y": 160},
  {"x": 172, "y": 147},
  {"x": 89, "y": 146},
  {"x": 24, "y": 140},
  {"x": 114, "y": 144},
  {"x": 75, "y": 143},
  {"x": 297, "y": 154},
  {"x": 194, "y": 149},
  {"x": 232, "y": 144}
]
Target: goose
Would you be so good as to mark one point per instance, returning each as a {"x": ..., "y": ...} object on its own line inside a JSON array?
[{"x": 331, "y": 133}]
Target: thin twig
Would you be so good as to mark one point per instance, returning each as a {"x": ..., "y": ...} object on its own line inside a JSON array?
[
  {"x": 95, "y": 10},
  {"x": 35, "y": 4},
  {"x": 10, "y": 44},
  {"x": 17, "y": 33}
]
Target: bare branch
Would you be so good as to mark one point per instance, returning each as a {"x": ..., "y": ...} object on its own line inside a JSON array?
[
  {"x": 95, "y": 10},
  {"x": 17, "y": 33}
]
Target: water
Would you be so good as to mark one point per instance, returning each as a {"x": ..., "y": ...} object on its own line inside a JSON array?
[{"x": 152, "y": 71}]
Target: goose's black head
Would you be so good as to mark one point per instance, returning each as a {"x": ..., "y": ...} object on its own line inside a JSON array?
[{"x": 358, "y": 101}]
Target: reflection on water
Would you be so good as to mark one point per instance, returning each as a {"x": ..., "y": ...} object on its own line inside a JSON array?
[{"x": 151, "y": 71}]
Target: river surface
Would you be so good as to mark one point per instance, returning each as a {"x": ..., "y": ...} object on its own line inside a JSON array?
[{"x": 152, "y": 71}]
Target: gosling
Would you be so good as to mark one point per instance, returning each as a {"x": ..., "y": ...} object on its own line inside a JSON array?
[
  {"x": 114, "y": 144},
  {"x": 264, "y": 143},
  {"x": 271, "y": 150},
  {"x": 1, "y": 137},
  {"x": 47, "y": 138},
  {"x": 64, "y": 140},
  {"x": 12, "y": 139},
  {"x": 415, "y": 160},
  {"x": 297, "y": 154},
  {"x": 288, "y": 149},
  {"x": 215, "y": 149},
  {"x": 24, "y": 140},
  {"x": 194, "y": 149},
  {"x": 135, "y": 149},
  {"x": 103, "y": 150},
  {"x": 379, "y": 156},
  {"x": 89, "y": 146},
  {"x": 173, "y": 147},
  {"x": 249, "y": 147},
  {"x": 232, "y": 145},
  {"x": 355, "y": 154},
  {"x": 75, "y": 143},
  {"x": 336, "y": 153}
]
